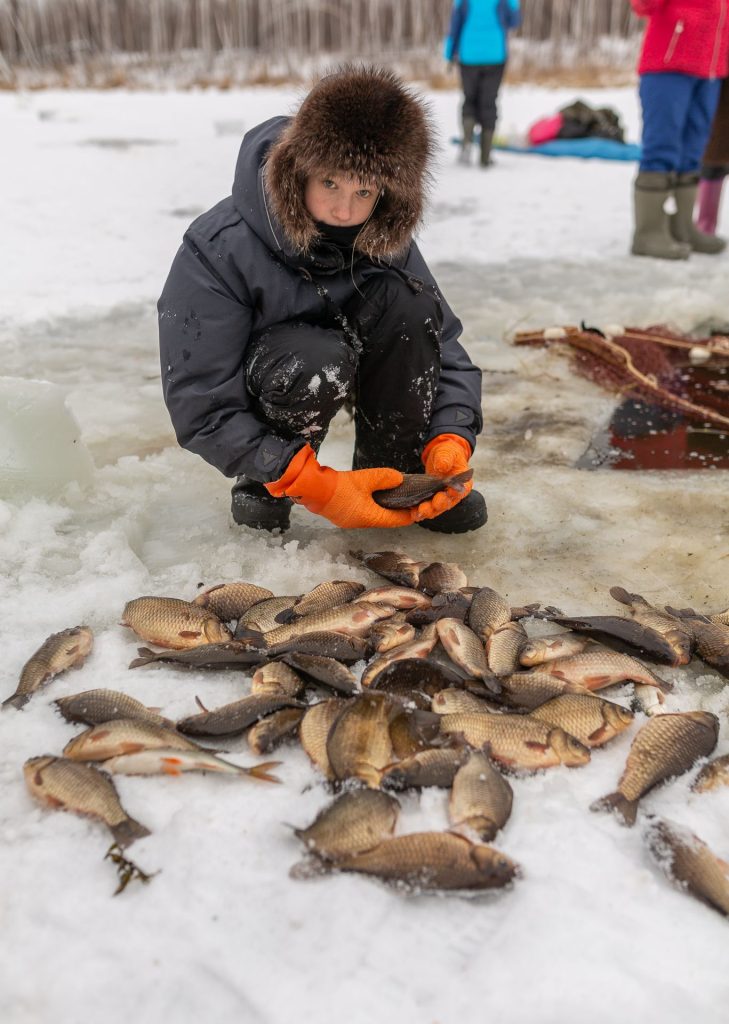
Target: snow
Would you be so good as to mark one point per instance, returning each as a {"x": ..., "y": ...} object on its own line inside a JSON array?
[{"x": 97, "y": 190}]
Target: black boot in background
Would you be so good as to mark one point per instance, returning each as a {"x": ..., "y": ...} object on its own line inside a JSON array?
[
  {"x": 469, "y": 514},
  {"x": 253, "y": 506}
]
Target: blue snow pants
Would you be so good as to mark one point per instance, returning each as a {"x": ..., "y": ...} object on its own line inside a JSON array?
[{"x": 677, "y": 114}]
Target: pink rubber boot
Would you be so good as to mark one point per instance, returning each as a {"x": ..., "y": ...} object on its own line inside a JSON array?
[{"x": 707, "y": 204}]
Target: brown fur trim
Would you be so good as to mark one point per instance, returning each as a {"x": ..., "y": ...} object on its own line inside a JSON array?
[{"x": 364, "y": 122}]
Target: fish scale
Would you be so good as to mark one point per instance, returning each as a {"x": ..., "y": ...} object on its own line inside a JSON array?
[
  {"x": 354, "y": 618},
  {"x": 67, "y": 649},
  {"x": 434, "y": 860},
  {"x": 666, "y": 746},
  {"x": 82, "y": 789},
  {"x": 518, "y": 741}
]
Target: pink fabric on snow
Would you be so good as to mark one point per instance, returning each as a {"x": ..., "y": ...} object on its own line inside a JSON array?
[{"x": 545, "y": 129}]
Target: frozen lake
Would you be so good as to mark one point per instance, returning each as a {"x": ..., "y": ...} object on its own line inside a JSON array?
[{"x": 96, "y": 196}]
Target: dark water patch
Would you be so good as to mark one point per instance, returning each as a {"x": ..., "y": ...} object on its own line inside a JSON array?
[{"x": 642, "y": 435}]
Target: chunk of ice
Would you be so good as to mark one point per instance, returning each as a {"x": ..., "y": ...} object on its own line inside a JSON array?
[{"x": 40, "y": 446}]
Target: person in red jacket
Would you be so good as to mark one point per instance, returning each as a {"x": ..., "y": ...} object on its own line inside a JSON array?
[{"x": 685, "y": 55}]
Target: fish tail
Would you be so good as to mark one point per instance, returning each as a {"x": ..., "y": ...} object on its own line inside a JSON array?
[
  {"x": 17, "y": 700},
  {"x": 128, "y": 830},
  {"x": 262, "y": 771},
  {"x": 145, "y": 656},
  {"x": 625, "y": 809}
]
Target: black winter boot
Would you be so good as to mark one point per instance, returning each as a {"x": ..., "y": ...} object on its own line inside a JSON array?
[
  {"x": 253, "y": 506},
  {"x": 469, "y": 514},
  {"x": 469, "y": 126}
]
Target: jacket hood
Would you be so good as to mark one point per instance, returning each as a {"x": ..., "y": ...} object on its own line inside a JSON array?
[{"x": 357, "y": 121}]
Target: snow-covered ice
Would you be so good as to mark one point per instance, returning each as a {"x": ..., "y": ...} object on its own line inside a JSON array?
[{"x": 97, "y": 190}]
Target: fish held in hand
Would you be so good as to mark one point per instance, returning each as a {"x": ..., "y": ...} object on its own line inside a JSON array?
[
  {"x": 690, "y": 863},
  {"x": 591, "y": 719},
  {"x": 93, "y": 707},
  {"x": 667, "y": 746},
  {"x": 418, "y": 487},
  {"x": 480, "y": 799},
  {"x": 61, "y": 651},
  {"x": 79, "y": 788},
  {"x": 356, "y": 821},
  {"x": 433, "y": 861},
  {"x": 170, "y": 622}
]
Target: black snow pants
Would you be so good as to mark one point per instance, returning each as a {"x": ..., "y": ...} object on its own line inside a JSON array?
[
  {"x": 301, "y": 374},
  {"x": 481, "y": 84}
]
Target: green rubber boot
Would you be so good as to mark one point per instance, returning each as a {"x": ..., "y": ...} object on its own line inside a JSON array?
[{"x": 652, "y": 235}]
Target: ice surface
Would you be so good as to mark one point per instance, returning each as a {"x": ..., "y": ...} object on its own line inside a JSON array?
[
  {"x": 591, "y": 931},
  {"x": 40, "y": 444}
]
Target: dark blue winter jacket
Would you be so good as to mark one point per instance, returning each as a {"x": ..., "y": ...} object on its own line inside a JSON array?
[
  {"x": 479, "y": 29},
  {"x": 234, "y": 275}
]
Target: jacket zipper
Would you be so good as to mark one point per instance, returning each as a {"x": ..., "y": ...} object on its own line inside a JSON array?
[
  {"x": 717, "y": 39},
  {"x": 674, "y": 41}
]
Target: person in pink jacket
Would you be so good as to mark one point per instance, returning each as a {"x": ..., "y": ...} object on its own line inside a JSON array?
[{"x": 684, "y": 56}]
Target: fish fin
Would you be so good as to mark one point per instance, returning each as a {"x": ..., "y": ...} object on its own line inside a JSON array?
[
  {"x": 262, "y": 771},
  {"x": 555, "y": 673},
  {"x": 131, "y": 748},
  {"x": 310, "y": 867},
  {"x": 533, "y": 745},
  {"x": 524, "y": 611},
  {"x": 200, "y": 704},
  {"x": 171, "y": 766},
  {"x": 596, "y": 738},
  {"x": 128, "y": 830},
  {"x": 189, "y": 634},
  {"x": 626, "y": 810},
  {"x": 145, "y": 656},
  {"x": 17, "y": 700},
  {"x": 663, "y": 684},
  {"x": 621, "y": 595},
  {"x": 597, "y": 681}
]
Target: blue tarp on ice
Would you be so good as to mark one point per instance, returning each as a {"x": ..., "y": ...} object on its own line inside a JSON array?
[{"x": 585, "y": 149}]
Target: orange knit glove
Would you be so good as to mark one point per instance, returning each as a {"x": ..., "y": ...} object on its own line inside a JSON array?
[
  {"x": 446, "y": 455},
  {"x": 345, "y": 499}
]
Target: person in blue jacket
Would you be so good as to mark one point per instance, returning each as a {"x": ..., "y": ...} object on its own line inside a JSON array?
[{"x": 477, "y": 42}]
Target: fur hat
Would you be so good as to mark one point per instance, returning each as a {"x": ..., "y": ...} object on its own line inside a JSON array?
[{"x": 361, "y": 121}]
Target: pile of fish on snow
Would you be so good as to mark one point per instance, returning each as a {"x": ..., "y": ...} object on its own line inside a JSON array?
[{"x": 457, "y": 695}]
